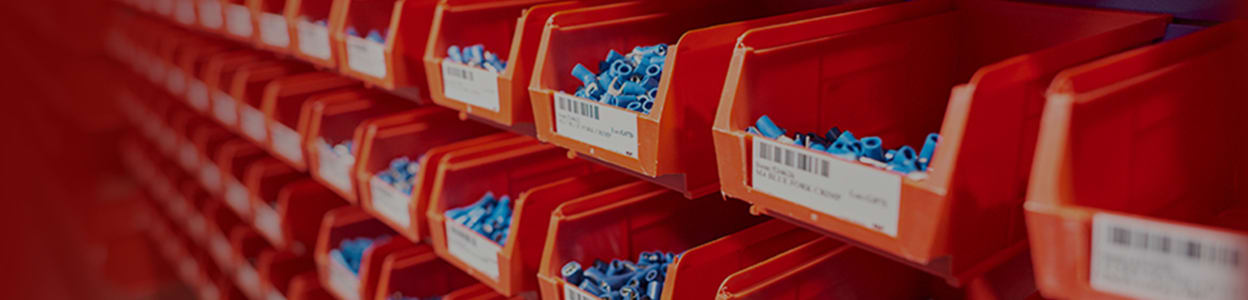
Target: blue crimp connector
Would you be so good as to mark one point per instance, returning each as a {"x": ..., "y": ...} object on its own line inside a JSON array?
[
  {"x": 929, "y": 148},
  {"x": 903, "y": 161},
  {"x": 454, "y": 54},
  {"x": 587, "y": 77},
  {"x": 375, "y": 36},
  {"x": 571, "y": 272},
  {"x": 768, "y": 128},
  {"x": 352, "y": 32},
  {"x": 873, "y": 148},
  {"x": 842, "y": 149}
]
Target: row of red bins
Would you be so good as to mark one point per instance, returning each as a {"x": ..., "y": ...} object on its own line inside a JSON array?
[{"x": 1002, "y": 82}]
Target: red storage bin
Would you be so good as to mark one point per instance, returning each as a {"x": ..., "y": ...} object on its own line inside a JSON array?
[
  {"x": 248, "y": 250},
  {"x": 346, "y": 223},
  {"x": 498, "y": 97},
  {"x": 211, "y": 15},
  {"x": 275, "y": 32},
  {"x": 417, "y": 272},
  {"x": 221, "y": 223},
  {"x": 312, "y": 41},
  {"x": 198, "y": 92},
  {"x": 184, "y": 12},
  {"x": 279, "y": 271},
  {"x": 193, "y": 200},
  {"x": 622, "y": 222},
  {"x": 283, "y": 107},
  {"x": 521, "y": 171},
  {"x": 240, "y": 22},
  {"x": 962, "y": 218},
  {"x": 395, "y": 64},
  {"x": 299, "y": 210},
  {"x": 475, "y": 292},
  {"x": 249, "y": 89},
  {"x": 209, "y": 143},
  {"x": 415, "y": 134},
  {"x": 265, "y": 179},
  {"x": 335, "y": 119},
  {"x": 218, "y": 75},
  {"x": 1173, "y": 227},
  {"x": 825, "y": 268},
  {"x": 181, "y": 80},
  {"x": 670, "y": 143},
  {"x": 698, "y": 272},
  {"x": 233, "y": 161}
]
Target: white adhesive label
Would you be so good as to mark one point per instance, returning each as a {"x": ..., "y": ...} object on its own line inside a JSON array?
[
  {"x": 333, "y": 168},
  {"x": 167, "y": 139},
  {"x": 849, "y": 191},
  {"x": 221, "y": 251},
  {"x": 472, "y": 248},
  {"x": 210, "y": 14},
  {"x": 210, "y": 177},
  {"x": 313, "y": 39},
  {"x": 253, "y": 123},
  {"x": 238, "y": 197},
  {"x": 470, "y": 85},
  {"x": 273, "y": 30},
  {"x": 238, "y": 20},
  {"x": 1153, "y": 260},
  {"x": 268, "y": 223},
  {"x": 224, "y": 108},
  {"x": 185, "y": 12},
  {"x": 188, "y": 156},
  {"x": 390, "y": 202},
  {"x": 366, "y": 56},
  {"x": 571, "y": 292},
  {"x": 176, "y": 82},
  {"x": 596, "y": 124},
  {"x": 197, "y": 95},
  {"x": 342, "y": 281},
  {"x": 286, "y": 142},
  {"x": 248, "y": 279}
]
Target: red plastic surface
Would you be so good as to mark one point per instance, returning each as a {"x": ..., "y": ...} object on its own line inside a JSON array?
[
  {"x": 417, "y": 272},
  {"x": 233, "y": 160},
  {"x": 248, "y": 89},
  {"x": 350, "y": 222},
  {"x": 823, "y": 269},
  {"x": 283, "y": 107},
  {"x": 888, "y": 72},
  {"x": 301, "y": 207},
  {"x": 698, "y": 273},
  {"x": 337, "y": 118},
  {"x": 311, "y": 42},
  {"x": 406, "y": 27},
  {"x": 274, "y": 31}
]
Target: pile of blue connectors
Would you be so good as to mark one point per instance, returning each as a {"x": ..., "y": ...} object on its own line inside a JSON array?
[
  {"x": 622, "y": 279},
  {"x": 842, "y": 144},
  {"x": 401, "y": 174},
  {"x": 630, "y": 81},
  {"x": 489, "y": 216},
  {"x": 350, "y": 252},
  {"x": 374, "y": 35},
  {"x": 399, "y": 296},
  {"x": 475, "y": 56}
]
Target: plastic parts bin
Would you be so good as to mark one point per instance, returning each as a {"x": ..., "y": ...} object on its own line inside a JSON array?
[
  {"x": 698, "y": 272},
  {"x": 414, "y": 134},
  {"x": 248, "y": 249},
  {"x": 502, "y": 97},
  {"x": 209, "y": 144},
  {"x": 394, "y": 65},
  {"x": 300, "y": 208},
  {"x": 335, "y": 119},
  {"x": 248, "y": 88},
  {"x": 823, "y": 269},
  {"x": 233, "y": 161},
  {"x": 181, "y": 81},
  {"x": 417, "y": 272},
  {"x": 218, "y": 75},
  {"x": 622, "y": 222},
  {"x": 284, "y": 106},
  {"x": 275, "y": 32},
  {"x": 521, "y": 171},
  {"x": 278, "y": 271},
  {"x": 312, "y": 38},
  {"x": 184, "y": 12},
  {"x": 240, "y": 23},
  {"x": 964, "y": 217},
  {"x": 265, "y": 178},
  {"x": 1172, "y": 228},
  {"x": 351, "y": 222},
  {"x": 670, "y": 143},
  {"x": 306, "y": 287}
]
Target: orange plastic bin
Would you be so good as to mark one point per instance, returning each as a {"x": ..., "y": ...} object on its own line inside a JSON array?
[
  {"x": 888, "y": 72},
  {"x": 1162, "y": 216},
  {"x": 417, "y": 272},
  {"x": 275, "y": 32},
  {"x": 698, "y": 273},
  {"x": 350, "y": 222},
  {"x": 249, "y": 87},
  {"x": 336, "y": 119},
  {"x": 284, "y": 105},
  {"x": 395, "y": 64},
  {"x": 825, "y": 268},
  {"x": 312, "y": 20}
]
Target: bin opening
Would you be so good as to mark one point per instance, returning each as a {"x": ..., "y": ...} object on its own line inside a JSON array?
[
  {"x": 315, "y": 10},
  {"x": 273, "y": 6},
  {"x": 370, "y": 15}
]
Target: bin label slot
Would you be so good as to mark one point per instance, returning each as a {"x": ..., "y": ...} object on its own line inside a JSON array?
[
  {"x": 599, "y": 125},
  {"x": 248, "y": 279},
  {"x": 366, "y": 56},
  {"x": 846, "y": 190},
  {"x": 342, "y": 281},
  {"x": 472, "y": 248},
  {"x": 390, "y": 202},
  {"x": 210, "y": 14},
  {"x": 238, "y": 197},
  {"x": 185, "y": 12},
  {"x": 1149, "y": 259},
  {"x": 210, "y": 177},
  {"x": 273, "y": 30},
  {"x": 197, "y": 95},
  {"x": 224, "y": 109},
  {"x": 334, "y": 169},
  {"x": 286, "y": 142},
  {"x": 313, "y": 39},
  {"x": 176, "y": 82},
  {"x": 221, "y": 250},
  {"x": 253, "y": 123},
  {"x": 470, "y": 85},
  {"x": 238, "y": 20},
  {"x": 571, "y": 292},
  {"x": 269, "y": 224}
]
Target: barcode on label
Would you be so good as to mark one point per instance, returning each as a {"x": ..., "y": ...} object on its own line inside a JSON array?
[
  {"x": 793, "y": 159},
  {"x": 459, "y": 73},
  {"x": 1191, "y": 250},
  {"x": 571, "y": 292},
  {"x": 584, "y": 109}
]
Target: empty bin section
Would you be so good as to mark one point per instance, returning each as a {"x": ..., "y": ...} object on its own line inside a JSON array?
[
  {"x": 623, "y": 222},
  {"x": 417, "y": 272},
  {"x": 698, "y": 273},
  {"x": 667, "y": 134},
  {"x": 313, "y": 20},
  {"x": 209, "y": 144},
  {"x": 1163, "y": 218},
  {"x": 249, "y": 88},
  {"x": 334, "y": 131},
  {"x": 301, "y": 207},
  {"x": 381, "y": 42},
  {"x": 283, "y": 107},
  {"x": 278, "y": 271},
  {"x": 515, "y": 178},
  {"x": 392, "y": 144},
  {"x": 886, "y": 74},
  {"x": 265, "y": 178},
  {"x": 350, "y": 250},
  {"x": 825, "y": 268},
  {"x": 218, "y": 76}
]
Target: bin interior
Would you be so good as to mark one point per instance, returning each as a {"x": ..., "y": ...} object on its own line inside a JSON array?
[
  {"x": 415, "y": 136},
  {"x": 366, "y": 15},
  {"x": 273, "y": 175},
  {"x": 273, "y": 6},
  {"x": 315, "y": 9},
  {"x": 420, "y": 273},
  {"x": 339, "y": 119},
  {"x": 508, "y": 172},
  {"x": 470, "y": 22}
]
